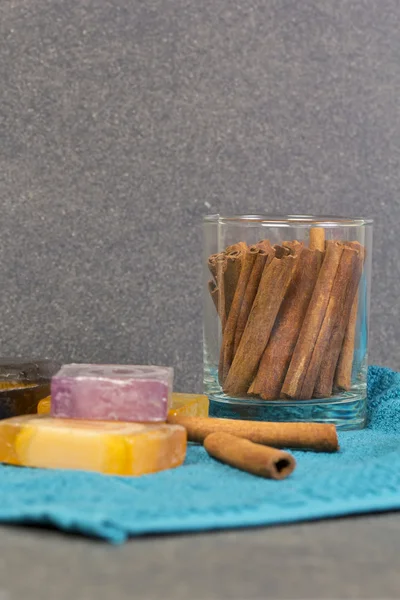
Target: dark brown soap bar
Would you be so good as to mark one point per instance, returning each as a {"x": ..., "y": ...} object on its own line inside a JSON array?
[
  {"x": 26, "y": 371},
  {"x": 22, "y": 400},
  {"x": 23, "y": 383}
]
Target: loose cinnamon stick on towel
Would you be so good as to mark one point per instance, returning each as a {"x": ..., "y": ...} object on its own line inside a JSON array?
[
  {"x": 320, "y": 437},
  {"x": 324, "y": 383},
  {"x": 271, "y": 291},
  {"x": 333, "y": 312},
  {"x": 345, "y": 363},
  {"x": 265, "y": 254},
  {"x": 312, "y": 322},
  {"x": 278, "y": 353},
  {"x": 317, "y": 239},
  {"x": 247, "y": 456},
  {"x": 226, "y": 352}
]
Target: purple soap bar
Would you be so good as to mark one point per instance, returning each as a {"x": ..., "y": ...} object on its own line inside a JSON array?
[{"x": 112, "y": 392}]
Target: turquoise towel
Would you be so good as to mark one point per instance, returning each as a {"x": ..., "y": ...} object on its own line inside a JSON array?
[{"x": 204, "y": 494}]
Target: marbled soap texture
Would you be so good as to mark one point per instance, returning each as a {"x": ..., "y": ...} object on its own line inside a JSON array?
[
  {"x": 185, "y": 405},
  {"x": 110, "y": 448},
  {"x": 112, "y": 392},
  {"x": 189, "y": 405}
]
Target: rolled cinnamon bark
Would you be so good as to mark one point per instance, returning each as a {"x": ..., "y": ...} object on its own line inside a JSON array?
[
  {"x": 345, "y": 364},
  {"x": 213, "y": 289},
  {"x": 312, "y": 322},
  {"x": 346, "y": 357},
  {"x": 271, "y": 291},
  {"x": 282, "y": 250},
  {"x": 265, "y": 254},
  {"x": 227, "y": 346},
  {"x": 212, "y": 263},
  {"x": 234, "y": 258},
  {"x": 278, "y": 353},
  {"x": 320, "y": 437},
  {"x": 324, "y": 382},
  {"x": 317, "y": 239},
  {"x": 259, "y": 460},
  {"x": 334, "y": 309},
  {"x": 225, "y": 267},
  {"x": 217, "y": 264}
]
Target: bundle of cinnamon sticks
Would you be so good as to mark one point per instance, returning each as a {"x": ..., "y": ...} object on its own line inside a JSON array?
[{"x": 288, "y": 315}]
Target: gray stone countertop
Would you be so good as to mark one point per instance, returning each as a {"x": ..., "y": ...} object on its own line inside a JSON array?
[{"x": 335, "y": 559}]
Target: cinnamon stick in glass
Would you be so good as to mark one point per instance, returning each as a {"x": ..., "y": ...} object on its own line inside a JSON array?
[
  {"x": 320, "y": 437},
  {"x": 248, "y": 257},
  {"x": 317, "y": 239},
  {"x": 213, "y": 289},
  {"x": 225, "y": 267},
  {"x": 271, "y": 291},
  {"x": 256, "y": 459},
  {"x": 278, "y": 353},
  {"x": 234, "y": 257},
  {"x": 337, "y": 299},
  {"x": 324, "y": 383},
  {"x": 264, "y": 256},
  {"x": 345, "y": 363},
  {"x": 212, "y": 263},
  {"x": 312, "y": 322},
  {"x": 217, "y": 267}
]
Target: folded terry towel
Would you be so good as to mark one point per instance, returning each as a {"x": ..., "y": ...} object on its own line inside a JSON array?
[{"x": 204, "y": 494}]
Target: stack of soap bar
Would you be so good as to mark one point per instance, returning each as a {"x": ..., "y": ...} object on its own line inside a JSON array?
[
  {"x": 111, "y": 448},
  {"x": 23, "y": 383},
  {"x": 12, "y": 385},
  {"x": 185, "y": 405},
  {"x": 21, "y": 401},
  {"x": 189, "y": 405},
  {"x": 44, "y": 406},
  {"x": 112, "y": 392},
  {"x": 21, "y": 372}
]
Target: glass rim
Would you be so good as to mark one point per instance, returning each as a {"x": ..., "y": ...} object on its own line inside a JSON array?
[{"x": 288, "y": 220}]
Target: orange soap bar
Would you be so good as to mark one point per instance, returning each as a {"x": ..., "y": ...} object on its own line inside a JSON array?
[
  {"x": 189, "y": 405},
  {"x": 113, "y": 448},
  {"x": 12, "y": 385},
  {"x": 23, "y": 382},
  {"x": 185, "y": 405},
  {"x": 23, "y": 400},
  {"x": 44, "y": 406}
]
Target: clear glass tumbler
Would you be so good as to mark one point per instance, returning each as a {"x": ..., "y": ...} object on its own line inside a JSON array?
[{"x": 286, "y": 303}]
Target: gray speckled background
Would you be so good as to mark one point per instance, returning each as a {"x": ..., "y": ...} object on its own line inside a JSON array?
[{"x": 123, "y": 122}]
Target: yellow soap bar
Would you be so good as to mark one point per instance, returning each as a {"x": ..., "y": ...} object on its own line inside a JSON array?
[
  {"x": 185, "y": 405},
  {"x": 12, "y": 385},
  {"x": 114, "y": 448},
  {"x": 44, "y": 406},
  {"x": 189, "y": 405}
]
